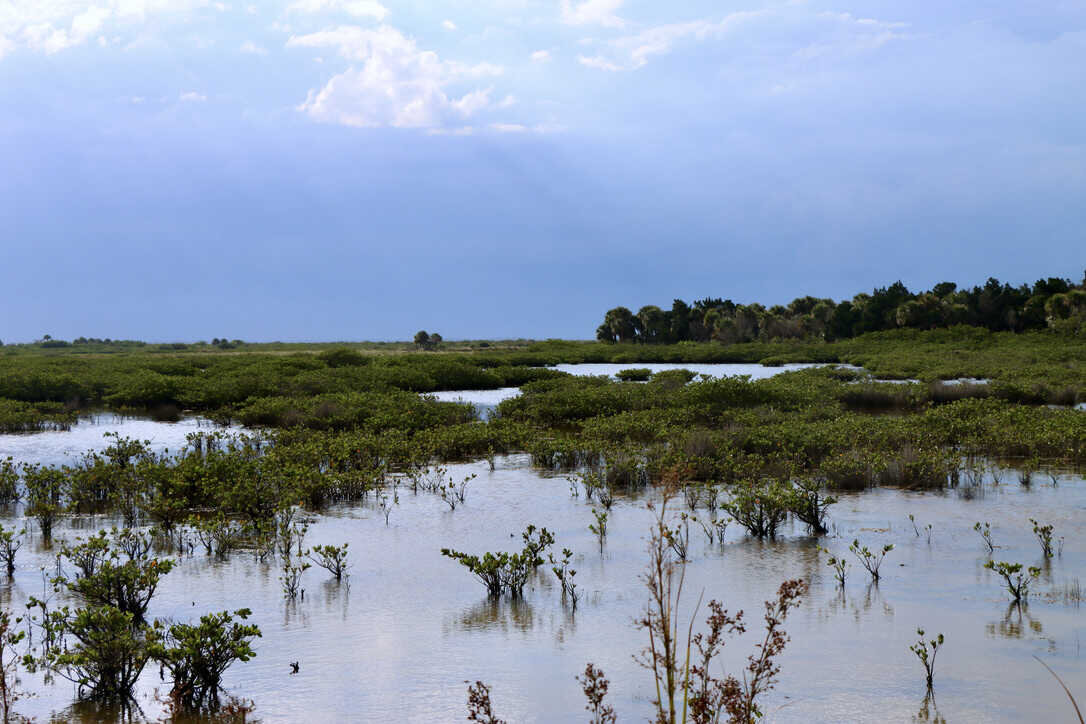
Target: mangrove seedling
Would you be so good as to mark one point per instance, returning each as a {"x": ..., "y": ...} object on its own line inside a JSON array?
[
  {"x": 692, "y": 495},
  {"x": 292, "y": 578},
  {"x": 840, "y": 567},
  {"x": 599, "y": 528},
  {"x": 1017, "y": 583},
  {"x": 506, "y": 572},
  {"x": 9, "y": 662},
  {"x": 913, "y": 521},
  {"x": 606, "y": 496},
  {"x": 759, "y": 507},
  {"x": 926, "y": 651},
  {"x": 714, "y": 529},
  {"x": 870, "y": 561},
  {"x": 985, "y": 533},
  {"x": 809, "y": 505},
  {"x": 44, "y": 496},
  {"x": 331, "y": 558},
  {"x": 678, "y": 538},
  {"x": 10, "y": 543},
  {"x": 594, "y": 685},
  {"x": 385, "y": 507},
  {"x": 565, "y": 576},
  {"x": 1044, "y": 537}
]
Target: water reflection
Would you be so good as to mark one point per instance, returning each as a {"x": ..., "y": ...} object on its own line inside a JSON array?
[
  {"x": 495, "y": 614},
  {"x": 860, "y": 608},
  {"x": 929, "y": 712},
  {"x": 1016, "y": 622}
]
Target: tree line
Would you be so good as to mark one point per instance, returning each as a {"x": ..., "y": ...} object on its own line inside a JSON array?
[{"x": 1053, "y": 303}]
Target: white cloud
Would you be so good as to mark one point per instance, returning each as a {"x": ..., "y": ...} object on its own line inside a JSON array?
[
  {"x": 598, "y": 62},
  {"x": 51, "y": 26},
  {"x": 395, "y": 84},
  {"x": 509, "y": 127},
  {"x": 448, "y": 24},
  {"x": 541, "y": 56},
  {"x": 192, "y": 97},
  {"x": 802, "y": 33},
  {"x": 252, "y": 48},
  {"x": 592, "y": 12},
  {"x": 357, "y": 8}
]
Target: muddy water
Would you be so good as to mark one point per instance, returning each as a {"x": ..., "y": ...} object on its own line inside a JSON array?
[{"x": 398, "y": 642}]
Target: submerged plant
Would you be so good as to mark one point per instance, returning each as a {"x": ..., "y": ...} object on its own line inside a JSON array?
[
  {"x": 926, "y": 651},
  {"x": 870, "y": 561},
  {"x": 1017, "y": 583}
]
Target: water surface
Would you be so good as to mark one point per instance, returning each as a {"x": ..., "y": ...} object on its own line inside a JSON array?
[{"x": 399, "y": 642}]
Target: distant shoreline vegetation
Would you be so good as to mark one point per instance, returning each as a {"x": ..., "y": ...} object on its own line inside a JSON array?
[{"x": 1052, "y": 303}]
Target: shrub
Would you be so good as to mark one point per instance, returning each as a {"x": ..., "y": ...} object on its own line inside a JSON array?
[
  {"x": 760, "y": 507},
  {"x": 196, "y": 656},
  {"x": 108, "y": 652},
  {"x": 1016, "y": 582}
]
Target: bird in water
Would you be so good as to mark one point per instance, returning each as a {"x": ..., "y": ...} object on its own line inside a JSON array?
[{"x": 294, "y": 666}]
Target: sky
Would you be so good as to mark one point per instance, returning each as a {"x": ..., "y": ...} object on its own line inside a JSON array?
[{"x": 303, "y": 170}]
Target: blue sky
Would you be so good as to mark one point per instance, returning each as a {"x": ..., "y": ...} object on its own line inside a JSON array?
[{"x": 355, "y": 169}]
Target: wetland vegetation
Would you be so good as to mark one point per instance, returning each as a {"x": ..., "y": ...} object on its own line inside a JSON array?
[{"x": 793, "y": 477}]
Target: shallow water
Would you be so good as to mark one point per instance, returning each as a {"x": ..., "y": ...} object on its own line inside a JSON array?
[
  {"x": 399, "y": 642},
  {"x": 485, "y": 401},
  {"x": 65, "y": 447}
]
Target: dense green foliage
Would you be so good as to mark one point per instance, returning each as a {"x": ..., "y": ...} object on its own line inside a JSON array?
[{"x": 997, "y": 306}]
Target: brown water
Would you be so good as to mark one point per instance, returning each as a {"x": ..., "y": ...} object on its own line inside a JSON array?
[{"x": 399, "y": 641}]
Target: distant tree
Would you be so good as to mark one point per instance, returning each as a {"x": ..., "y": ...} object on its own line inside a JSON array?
[
  {"x": 621, "y": 323},
  {"x": 680, "y": 321},
  {"x": 422, "y": 339},
  {"x": 653, "y": 323},
  {"x": 943, "y": 289},
  {"x": 435, "y": 340},
  {"x": 1050, "y": 286}
]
